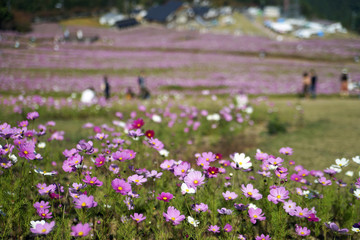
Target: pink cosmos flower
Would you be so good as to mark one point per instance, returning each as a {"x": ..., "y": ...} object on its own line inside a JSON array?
[
  {"x": 121, "y": 186},
  {"x": 44, "y": 213},
  {"x": 296, "y": 177},
  {"x": 214, "y": 229},
  {"x": 302, "y": 231},
  {"x": 41, "y": 205},
  {"x": 229, "y": 195},
  {"x": 302, "y": 213},
  {"x": 173, "y": 215},
  {"x": 208, "y": 156},
  {"x": 138, "y": 217},
  {"x": 93, "y": 181},
  {"x": 114, "y": 168},
  {"x": 256, "y": 214},
  {"x": 202, "y": 207},
  {"x": 121, "y": 156},
  {"x": 181, "y": 170},
  {"x": 85, "y": 201},
  {"x": 138, "y": 179},
  {"x": 323, "y": 181},
  {"x": 286, "y": 151},
  {"x": 194, "y": 179},
  {"x": 80, "y": 230},
  {"x": 261, "y": 156},
  {"x": 278, "y": 194},
  {"x": 289, "y": 207},
  {"x": 44, "y": 189},
  {"x": 263, "y": 237},
  {"x": 100, "y": 161},
  {"x": 250, "y": 191},
  {"x": 42, "y": 227},
  {"x": 156, "y": 143},
  {"x": 201, "y": 162},
  {"x": 32, "y": 115},
  {"x": 227, "y": 228},
  {"x": 167, "y": 165},
  {"x": 166, "y": 197}
]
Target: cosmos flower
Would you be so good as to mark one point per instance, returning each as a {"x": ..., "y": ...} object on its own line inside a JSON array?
[
  {"x": 286, "y": 151},
  {"x": 186, "y": 190},
  {"x": 173, "y": 215},
  {"x": 263, "y": 237},
  {"x": 256, "y": 215},
  {"x": 80, "y": 230},
  {"x": 278, "y": 194},
  {"x": 202, "y": 207},
  {"x": 250, "y": 191},
  {"x": 214, "y": 229},
  {"x": 302, "y": 231},
  {"x": 332, "y": 226},
  {"x": 85, "y": 201},
  {"x": 121, "y": 186},
  {"x": 227, "y": 228},
  {"x": 192, "y": 221},
  {"x": 138, "y": 217},
  {"x": 138, "y": 179},
  {"x": 41, "y": 227},
  {"x": 242, "y": 161},
  {"x": 229, "y": 195},
  {"x": 194, "y": 179},
  {"x": 93, "y": 181},
  {"x": 165, "y": 196}
]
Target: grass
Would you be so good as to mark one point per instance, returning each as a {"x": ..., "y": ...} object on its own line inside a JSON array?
[
  {"x": 329, "y": 130},
  {"x": 84, "y": 22}
]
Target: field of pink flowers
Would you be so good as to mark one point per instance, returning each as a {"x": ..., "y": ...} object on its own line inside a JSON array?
[
  {"x": 171, "y": 58},
  {"x": 122, "y": 177}
]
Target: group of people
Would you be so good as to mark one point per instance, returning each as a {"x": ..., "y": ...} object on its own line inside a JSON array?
[
  {"x": 310, "y": 81},
  {"x": 89, "y": 95},
  {"x": 309, "y": 84}
]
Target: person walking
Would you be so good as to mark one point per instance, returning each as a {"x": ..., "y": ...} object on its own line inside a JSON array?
[
  {"x": 344, "y": 81},
  {"x": 306, "y": 84},
  {"x": 106, "y": 88},
  {"x": 313, "y": 83}
]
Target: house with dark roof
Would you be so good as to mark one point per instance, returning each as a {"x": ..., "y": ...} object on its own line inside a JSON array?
[{"x": 164, "y": 13}]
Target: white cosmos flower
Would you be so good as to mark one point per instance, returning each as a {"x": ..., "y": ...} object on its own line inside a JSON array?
[
  {"x": 213, "y": 117},
  {"x": 357, "y": 193},
  {"x": 343, "y": 162},
  {"x": 44, "y": 172},
  {"x": 355, "y": 229},
  {"x": 251, "y": 205},
  {"x": 249, "y": 110},
  {"x": 41, "y": 145},
  {"x": 185, "y": 189},
  {"x": 34, "y": 223},
  {"x": 242, "y": 160},
  {"x": 13, "y": 158},
  {"x": 336, "y": 168},
  {"x": 349, "y": 173},
  {"x": 192, "y": 221},
  {"x": 356, "y": 159},
  {"x": 164, "y": 152},
  {"x": 156, "y": 118}
]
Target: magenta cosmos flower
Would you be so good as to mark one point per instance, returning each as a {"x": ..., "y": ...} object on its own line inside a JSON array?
[
  {"x": 92, "y": 181},
  {"x": 173, "y": 215},
  {"x": 214, "y": 229},
  {"x": 32, "y": 115},
  {"x": 138, "y": 123},
  {"x": 227, "y": 228},
  {"x": 256, "y": 214},
  {"x": 138, "y": 217},
  {"x": 263, "y": 237},
  {"x": 194, "y": 179},
  {"x": 250, "y": 191},
  {"x": 278, "y": 195},
  {"x": 302, "y": 231},
  {"x": 41, "y": 205},
  {"x": 85, "y": 201},
  {"x": 100, "y": 161},
  {"x": 44, "y": 213},
  {"x": 286, "y": 151},
  {"x": 229, "y": 195},
  {"x": 165, "y": 196},
  {"x": 323, "y": 181},
  {"x": 121, "y": 186},
  {"x": 80, "y": 230},
  {"x": 41, "y": 227}
]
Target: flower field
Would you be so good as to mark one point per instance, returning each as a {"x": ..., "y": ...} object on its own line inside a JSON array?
[{"x": 189, "y": 162}]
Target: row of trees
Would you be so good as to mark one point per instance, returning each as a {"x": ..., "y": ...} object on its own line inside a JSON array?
[{"x": 345, "y": 11}]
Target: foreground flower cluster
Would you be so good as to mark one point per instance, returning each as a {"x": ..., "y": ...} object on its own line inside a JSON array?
[{"x": 122, "y": 180}]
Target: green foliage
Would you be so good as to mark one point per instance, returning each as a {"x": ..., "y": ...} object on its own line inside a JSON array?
[{"x": 275, "y": 125}]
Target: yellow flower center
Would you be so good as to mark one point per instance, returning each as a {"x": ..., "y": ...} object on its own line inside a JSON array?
[
  {"x": 275, "y": 163},
  {"x": 164, "y": 198},
  {"x": 3, "y": 164},
  {"x": 26, "y": 152},
  {"x": 137, "y": 180},
  {"x": 323, "y": 182},
  {"x": 182, "y": 170},
  {"x": 76, "y": 161},
  {"x": 196, "y": 181},
  {"x": 41, "y": 206},
  {"x": 168, "y": 166},
  {"x": 101, "y": 162},
  {"x": 304, "y": 174},
  {"x": 137, "y": 219},
  {"x": 83, "y": 204},
  {"x": 187, "y": 190},
  {"x": 43, "y": 214},
  {"x": 120, "y": 188},
  {"x": 229, "y": 197},
  {"x": 80, "y": 233},
  {"x": 120, "y": 158},
  {"x": 278, "y": 196},
  {"x": 173, "y": 218},
  {"x": 301, "y": 214},
  {"x": 91, "y": 181},
  {"x": 302, "y": 233},
  {"x": 212, "y": 172},
  {"x": 207, "y": 159},
  {"x": 250, "y": 193},
  {"x": 255, "y": 216},
  {"x": 44, "y": 230}
]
